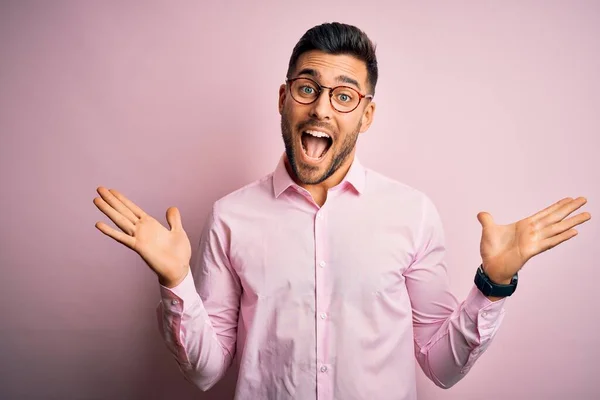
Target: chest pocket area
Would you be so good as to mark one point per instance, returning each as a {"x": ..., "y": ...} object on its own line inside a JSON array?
[
  {"x": 274, "y": 264},
  {"x": 371, "y": 265}
]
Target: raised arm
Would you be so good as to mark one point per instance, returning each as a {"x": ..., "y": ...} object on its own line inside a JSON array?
[
  {"x": 199, "y": 330},
  {"x": 449, "y": 335}
]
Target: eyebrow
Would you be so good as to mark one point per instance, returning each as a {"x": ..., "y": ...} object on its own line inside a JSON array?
[{"x": 339, "y": 78}]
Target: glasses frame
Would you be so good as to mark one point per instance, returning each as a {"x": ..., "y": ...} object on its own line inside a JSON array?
[{"x": 331, "y": 89}]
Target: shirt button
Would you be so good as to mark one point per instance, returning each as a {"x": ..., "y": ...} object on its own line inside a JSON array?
[
  {"x": 320, "y": 215},
  {"x": 322, "y": 264},
  {"x": 174, "y": 302},
  {"x": 323, "y": 369},
  {"x": 484, "y": 314},
  {"x": 323, "y": 315}
]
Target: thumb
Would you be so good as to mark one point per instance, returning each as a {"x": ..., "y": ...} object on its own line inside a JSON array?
[
  {"x": 174, "y": 219},
  {"x": 485, "y": 219}
]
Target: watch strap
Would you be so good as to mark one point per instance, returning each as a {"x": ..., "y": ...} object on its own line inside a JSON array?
[{"x": 489, "y": 288}]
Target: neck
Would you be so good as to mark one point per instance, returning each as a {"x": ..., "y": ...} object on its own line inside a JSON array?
[{"x": 319, "y": 191}]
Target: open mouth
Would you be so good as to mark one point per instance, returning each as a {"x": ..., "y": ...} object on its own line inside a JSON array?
[{"x": 315, "y": 144}]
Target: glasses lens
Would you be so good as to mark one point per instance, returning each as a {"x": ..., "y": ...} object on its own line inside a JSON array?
[
  {"x": 345, "y": 99},
  {"x": 304, "y": 91}
]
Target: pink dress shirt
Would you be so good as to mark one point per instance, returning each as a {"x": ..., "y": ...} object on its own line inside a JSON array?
[{"x": 326, "y": 302}]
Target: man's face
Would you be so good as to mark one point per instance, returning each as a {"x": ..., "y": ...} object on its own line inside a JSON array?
[{"x": 319, "y": 139}]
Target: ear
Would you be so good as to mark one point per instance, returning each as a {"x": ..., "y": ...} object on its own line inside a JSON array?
[
  {"x": 367, "y": 118},
  {"x": 282, "y": 95}
]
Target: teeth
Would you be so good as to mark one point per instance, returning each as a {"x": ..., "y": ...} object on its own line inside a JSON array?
[{"x": 317, "y": 134}]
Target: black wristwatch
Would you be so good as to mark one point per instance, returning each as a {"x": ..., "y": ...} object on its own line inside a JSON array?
[{"x": 489, "y": 288}]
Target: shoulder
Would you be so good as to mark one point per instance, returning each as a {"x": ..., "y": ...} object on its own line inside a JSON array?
[
  {"x": 412, "y": 206},
  {"x": 407, "y": 204},
  {"x": 391, "y": 189},
  {"x": 249, "y": 196}
]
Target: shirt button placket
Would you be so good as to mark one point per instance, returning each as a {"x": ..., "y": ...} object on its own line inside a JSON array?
[{"x": 321, "y": 301}]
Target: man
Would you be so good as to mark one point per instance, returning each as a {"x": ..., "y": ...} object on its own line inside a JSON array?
[{"x": 322, "y": 279}]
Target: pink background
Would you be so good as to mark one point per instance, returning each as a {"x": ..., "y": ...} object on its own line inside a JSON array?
[{"x": 489, "y": 106}]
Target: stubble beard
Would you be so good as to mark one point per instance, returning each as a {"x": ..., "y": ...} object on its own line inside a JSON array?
[{"x": 304, "y": 176}]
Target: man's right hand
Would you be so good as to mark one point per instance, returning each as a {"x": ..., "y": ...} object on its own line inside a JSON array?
[{"x": 167, "y": 252}]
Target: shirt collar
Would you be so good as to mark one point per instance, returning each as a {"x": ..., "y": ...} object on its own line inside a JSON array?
[{"x": 355, "y": 177}]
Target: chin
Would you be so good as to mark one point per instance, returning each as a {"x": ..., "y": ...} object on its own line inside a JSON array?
[{"x": 311, "y": 172}]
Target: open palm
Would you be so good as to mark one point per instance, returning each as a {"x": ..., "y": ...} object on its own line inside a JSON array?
[
  {"x": 166, "y": 251},
  {"x": 506, "y": 248}
]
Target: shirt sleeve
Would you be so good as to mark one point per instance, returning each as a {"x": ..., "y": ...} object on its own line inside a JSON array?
[
  {"x": 449, "y": 336},
  {"x": 198, "y": 318}
]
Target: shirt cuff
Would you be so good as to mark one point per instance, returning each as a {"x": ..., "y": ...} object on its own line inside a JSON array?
[
  {"x": 487, "y": 316},
  {"x": 482, "y": 310},
  {"x": 178, "y": 299}
]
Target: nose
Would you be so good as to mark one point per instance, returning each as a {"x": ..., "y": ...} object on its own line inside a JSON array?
[{"x": 321, "y": 108}]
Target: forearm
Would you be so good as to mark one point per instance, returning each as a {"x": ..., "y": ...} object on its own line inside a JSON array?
[
  {"x": 448, "y": 354},
  {"x": 189, "y": 335}
]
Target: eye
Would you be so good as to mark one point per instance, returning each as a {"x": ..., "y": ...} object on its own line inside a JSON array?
[
  {"x": 344, "y": 97},
  {"x": 307, "y": 90}
]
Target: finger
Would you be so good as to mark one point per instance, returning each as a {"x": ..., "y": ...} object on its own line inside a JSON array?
[
  {"x": 117, "y": 204},
  {"x": 120, "y": 237},
  {"x": 562, "y": 212},
  {"x": 566, "y": 224},
  {"x": 558, "y": 239},
  {"x": 123, "y": 223},
  {"x": 174, "y": 219},
  {"x": 138, "y": 212},
  {"x": 551, "y": 209},
  {"x": 485, "y": 219}
]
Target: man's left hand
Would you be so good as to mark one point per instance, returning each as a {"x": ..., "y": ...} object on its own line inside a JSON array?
[{"x": 506, "y": 248}]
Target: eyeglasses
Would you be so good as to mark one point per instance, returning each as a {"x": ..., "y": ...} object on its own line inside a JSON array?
[{"x": 342, "y": 98}]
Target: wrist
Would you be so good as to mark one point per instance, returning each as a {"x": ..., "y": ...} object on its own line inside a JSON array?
[
  {"x": 172, "y": 281},
  {"x": 498, "y": 280},
  {"x": 492, "y": 287}
]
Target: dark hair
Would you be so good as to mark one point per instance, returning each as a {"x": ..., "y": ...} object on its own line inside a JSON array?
[{"x": 338, "y": 38}]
